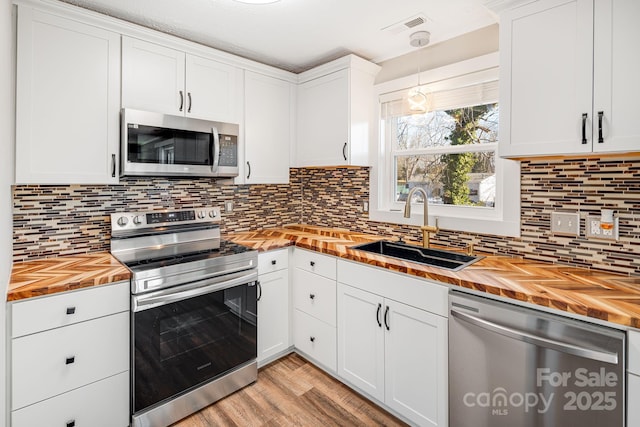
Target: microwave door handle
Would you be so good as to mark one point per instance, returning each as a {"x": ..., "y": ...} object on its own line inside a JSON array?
[{"x": 216, "y": 149}]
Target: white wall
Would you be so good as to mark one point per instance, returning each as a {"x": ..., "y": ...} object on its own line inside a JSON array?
[
  {"x": 7, "y": 120},
  {"x": 466, "y": 46}
]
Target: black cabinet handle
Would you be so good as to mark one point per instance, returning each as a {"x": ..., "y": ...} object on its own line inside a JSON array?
[
  {"x": 249, "y": 170},
  {"x": 259, "y": 290},
  {"x": 584, "y": 128},
  {"x": 189, "y": 97},
  {"x": 70, "y": 360},
  {"x": 71, "y": 310},
  {"x": 378, "y": 315},
  {"x": 344, "y": 151},
  {"x": 71, "y": 423},
  {"x": 113, "y": 166},
  {"x": 273, "y": 262},
  {"x": 181, "y": 101},
  {"x": 312, "y": 339},
  {"x": 386, "y": 317},
  {"x": 312, "y": 263},
  {"x": 600, "y": 116},
  {"x": 312, "y": 296}
]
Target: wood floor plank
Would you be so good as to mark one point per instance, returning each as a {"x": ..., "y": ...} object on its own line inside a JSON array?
[{"x": 292, "y": 392}]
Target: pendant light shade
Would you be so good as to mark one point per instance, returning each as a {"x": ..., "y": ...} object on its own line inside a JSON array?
[{"x": 418, "y": 102}]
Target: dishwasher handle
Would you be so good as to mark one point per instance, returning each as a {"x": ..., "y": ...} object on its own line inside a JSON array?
[{"x": 602, "y": 356}]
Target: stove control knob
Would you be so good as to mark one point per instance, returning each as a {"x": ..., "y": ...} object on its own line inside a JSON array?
[
  {"x": 137, "y": 220},
  {"x": 213, "y": 214},
  {"x": 122, "y": 221},
  {"x": 202, "y": 214}
]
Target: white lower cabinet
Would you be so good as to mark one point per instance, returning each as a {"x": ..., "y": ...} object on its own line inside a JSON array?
[
  {"x": 72, "y": 368},
  {"x": 100, "y": 404},
  {"x": 392, "y": 350},
  {"x": 633, "y": 380},
  {"x": 273, "y": 304},
  {"x": 314, "y": 303}
]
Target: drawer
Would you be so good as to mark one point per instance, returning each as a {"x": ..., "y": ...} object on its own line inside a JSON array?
[
  {"x": 35, "y": 315},
  {"x": 634, "y": 352},
  {"x": 95, "y": 350},
  {"x": 315, "y": 295},
  {"x": 315, "y": 338},
  {"x": 315, "y": 262},
  {"x": 101, "y": 404},
  {"x": 271, "y": 261}
]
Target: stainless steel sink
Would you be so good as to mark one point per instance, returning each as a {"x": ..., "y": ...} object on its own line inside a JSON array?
[{"x": 434, "y": 257}]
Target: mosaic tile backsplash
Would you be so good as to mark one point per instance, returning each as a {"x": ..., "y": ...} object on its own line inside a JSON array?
[{"x": 60, "y": 220}]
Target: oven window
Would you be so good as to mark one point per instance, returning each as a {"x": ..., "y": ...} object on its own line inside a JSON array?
[
  {"x": 183, "y": 344},
  {"x": 150, "y": 144}
]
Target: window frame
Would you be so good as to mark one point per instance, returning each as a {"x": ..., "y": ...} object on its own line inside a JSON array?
[{"x": 503, "y": 219}]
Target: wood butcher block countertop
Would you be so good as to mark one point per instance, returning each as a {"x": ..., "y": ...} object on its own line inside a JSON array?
[
  {"x": 52, "y": 275},
  {"x": 596, "y": 294}
]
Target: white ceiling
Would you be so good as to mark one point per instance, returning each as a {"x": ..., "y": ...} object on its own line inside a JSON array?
[{"x": 296, "y": 35}]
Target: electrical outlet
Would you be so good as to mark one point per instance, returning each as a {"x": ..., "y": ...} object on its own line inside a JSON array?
[
  {"x": 564, "y": 223},
  {"x": 365, "y": 206},
  {"x": 595, "y": 231}
]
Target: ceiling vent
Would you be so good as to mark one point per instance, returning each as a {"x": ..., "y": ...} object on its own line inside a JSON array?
[{"x": 406, "y": 24}]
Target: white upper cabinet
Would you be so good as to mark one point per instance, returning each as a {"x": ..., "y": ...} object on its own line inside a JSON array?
[
  {"x": 336, "y": 113},
  {"x": 616, "y": 64},
  {"x": 268, "y": 124},
  {"x": 152, "y": 77},
  {"x": 165, "y": 80},
  {"x": 68, "y": 100},
  {"x": 561, "y": 92}
]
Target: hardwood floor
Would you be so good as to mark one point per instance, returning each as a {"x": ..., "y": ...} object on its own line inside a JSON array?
[{"x": 292, "y": 392}]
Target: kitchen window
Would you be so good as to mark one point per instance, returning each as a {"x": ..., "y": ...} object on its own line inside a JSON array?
[{"x": 450, "y": 151}]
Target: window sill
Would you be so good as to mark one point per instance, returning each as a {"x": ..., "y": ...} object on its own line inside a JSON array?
[{"x": 492, "y": 226}]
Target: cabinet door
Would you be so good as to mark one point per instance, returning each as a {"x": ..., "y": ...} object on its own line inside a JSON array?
[
  {"x": 416, "y": 364},
  {"x": 361, "y": 340},
  {"x": 152, "y": 77},
  {"x": 546, "y": 61},
  {"x": 323, "y": 121},
  {"x": 267, "y": 138},
  {"x": 616, "y": 82},
  {"x": 633, "y": 397},
  {"x": 213, "y": 90},
  {"x": 67, "y": 104},
  {"x": 273, "y": 314}
]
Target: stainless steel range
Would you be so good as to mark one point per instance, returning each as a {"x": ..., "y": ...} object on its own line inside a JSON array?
[{"x": 194, "y": 311}]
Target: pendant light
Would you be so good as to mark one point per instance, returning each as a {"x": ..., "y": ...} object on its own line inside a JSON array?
[{"x": 417, "y": 98}]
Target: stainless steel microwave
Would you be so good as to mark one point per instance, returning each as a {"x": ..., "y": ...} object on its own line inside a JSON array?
[{"x": 154, "y": 144}]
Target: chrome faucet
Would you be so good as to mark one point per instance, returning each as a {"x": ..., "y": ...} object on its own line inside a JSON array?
[{"x": 426, "y": 228}]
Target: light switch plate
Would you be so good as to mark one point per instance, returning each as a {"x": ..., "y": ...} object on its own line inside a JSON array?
[{"x": 565, "y": 223}]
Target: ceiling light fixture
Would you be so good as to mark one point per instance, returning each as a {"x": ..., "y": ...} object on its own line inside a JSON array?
[
  {"x": 417, "y": 98},
  {"x": 257, "y": 1}
]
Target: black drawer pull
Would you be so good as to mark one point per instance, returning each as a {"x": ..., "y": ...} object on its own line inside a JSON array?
[
  {"x": 70, "y": 360},
  {"x": 71, "y": 310},
  {"x": 71, "y": 423},
  {"x": 312, "y": 296},
  {"x": 312, "y": 263},
  {"x": 273, "y": 262},
  {"x": 312, "y": 339}
]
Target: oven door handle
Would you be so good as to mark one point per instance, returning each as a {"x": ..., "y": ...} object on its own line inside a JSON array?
[{"x": 167, "y": 296}]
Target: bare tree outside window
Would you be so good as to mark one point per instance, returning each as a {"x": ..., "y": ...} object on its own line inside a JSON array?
[{"x": 450, "y": 153}]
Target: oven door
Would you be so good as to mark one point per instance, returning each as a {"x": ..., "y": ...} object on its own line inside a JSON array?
[{"x": 186, "y": 336}]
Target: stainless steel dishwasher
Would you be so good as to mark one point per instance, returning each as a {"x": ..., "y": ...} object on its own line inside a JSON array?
[{"x": 511, "y": 366}]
